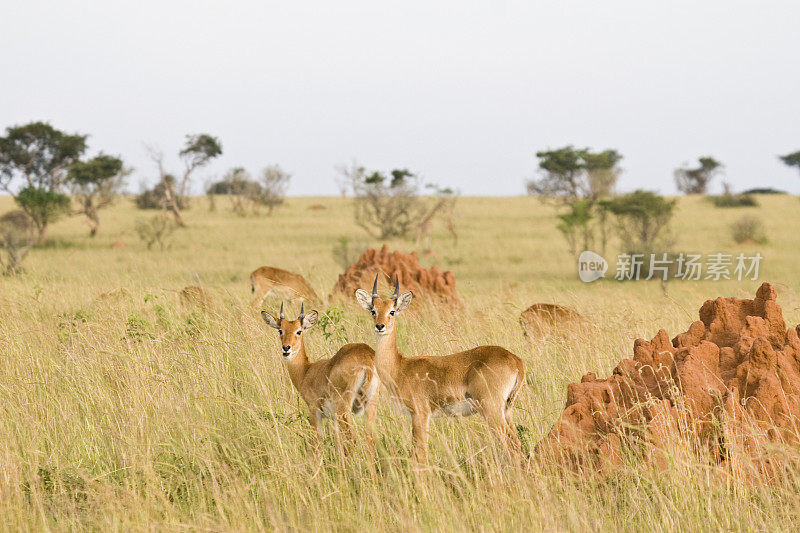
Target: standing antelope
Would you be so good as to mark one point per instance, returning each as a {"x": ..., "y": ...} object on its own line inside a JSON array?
[
  {"x": 485, "y": 379},
  {"x": 336, "y": 388},
  {"x": 268, "y": 280}
]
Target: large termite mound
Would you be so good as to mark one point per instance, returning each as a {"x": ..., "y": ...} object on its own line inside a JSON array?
[
  {"x": 423, "y": 282},
  {"x": 730, "y": 383},
  {"x": 542, "y": 319}
]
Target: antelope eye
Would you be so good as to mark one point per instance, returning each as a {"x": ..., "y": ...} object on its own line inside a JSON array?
[
  {"x": 391, "y": 313},
  {"x": 280, "y": 332},
  {"x": 299, "y": 331},
  {"x": 373, "y": 312}
]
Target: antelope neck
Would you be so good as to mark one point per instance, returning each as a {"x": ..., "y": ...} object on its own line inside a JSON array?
[
  {"x": 386, "y": 356},
  {"x": 298, "y": 365}
]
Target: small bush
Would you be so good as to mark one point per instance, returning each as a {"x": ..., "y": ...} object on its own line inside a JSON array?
[
  {"x": 155, "y": 230},
  {"x": 156, "y": 197},
  {"x": 16, "y": 240},
  {"x": 734, "y": 200},
  {"x": 386, "y": 207},
  {"x": 764, "y": 190},
  {"x": 347, "y": 251},
  {"x": 748, "y": 229}
]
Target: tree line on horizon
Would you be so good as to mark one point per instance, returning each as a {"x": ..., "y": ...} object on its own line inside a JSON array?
[{"x": 49, "y": 175}]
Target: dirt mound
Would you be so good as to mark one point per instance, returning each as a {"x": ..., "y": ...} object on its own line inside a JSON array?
[
  {"x": 423, "y": 282},
  {"x": 541, "y": 319},
  {"x": 731, "y": 383}
]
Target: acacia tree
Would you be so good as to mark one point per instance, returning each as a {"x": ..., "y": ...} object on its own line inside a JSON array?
[
  {"x": 577, "y": 180},
  {"x": 695, "y": 180},
  {"x": 791, "y": 160},
  {"x": 198, "y": 152},
  {"x": 570, "y": 174},
  {"x": 38, "y": 155},
  {"x": 96, "y": 183}
]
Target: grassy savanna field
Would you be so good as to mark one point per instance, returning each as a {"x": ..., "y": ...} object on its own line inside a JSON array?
[{"x": 122, "y": 408}]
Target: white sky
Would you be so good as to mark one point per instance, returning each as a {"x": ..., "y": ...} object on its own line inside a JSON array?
[{"x": 463, "y": 92}]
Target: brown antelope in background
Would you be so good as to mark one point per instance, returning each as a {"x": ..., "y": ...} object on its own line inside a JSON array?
[
  {"x": 336, "y": 388},
  {"x": 482, "y": 380},
  {"x": 266, "y": 281}
]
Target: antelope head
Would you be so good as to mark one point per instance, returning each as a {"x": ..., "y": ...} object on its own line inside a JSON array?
[
  {"x": 291, "y": 331},
  {"x": 384, "y": 310}
]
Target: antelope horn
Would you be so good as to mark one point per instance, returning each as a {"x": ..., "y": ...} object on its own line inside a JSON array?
[
  {"x": 282, "y": 317},
  {"x": 302, "y": 313},
  {"x": 375, "y": 288},
  {"x": 396, "y": 294}
]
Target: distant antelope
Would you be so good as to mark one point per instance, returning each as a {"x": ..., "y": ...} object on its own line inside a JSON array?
[
  {"x": 482, "y": 380},
  {"x": 337, "y": 388},
  {"x": 266, "y": 280}
]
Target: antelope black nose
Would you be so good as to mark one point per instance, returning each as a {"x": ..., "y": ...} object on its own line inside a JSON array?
[
  {"x": 286, "y": 348},
  {"x": 379, "y": 327}
]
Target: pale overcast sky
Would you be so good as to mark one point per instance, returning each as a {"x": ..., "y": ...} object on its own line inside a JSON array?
[{"x": 464, "y": 93}]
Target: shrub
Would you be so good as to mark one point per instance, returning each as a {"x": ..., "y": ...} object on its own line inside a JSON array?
[
  {"x": 347, "y": 251},
  {"x": 641, "y": 220},
  {"x": 155, "y": 198},
  {"x": 385, "y": 207},
  {"x": 274, "y": 182},
  {"x": 42, "y": 206},
  {"x": 748, "y": 229},
  {"x": 763, "y": 190},
  {"x": 734, "y": 200},
  {"x": 16, "y": 240},
  {"x": 155, "y": 230}
]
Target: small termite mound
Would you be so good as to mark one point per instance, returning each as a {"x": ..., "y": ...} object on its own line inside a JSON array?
[
  {"x": 543, "y": 319},
  {"x": 427, "y": 283}
]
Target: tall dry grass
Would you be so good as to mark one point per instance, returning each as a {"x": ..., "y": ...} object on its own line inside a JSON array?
[{"x": 123, "y": 408}]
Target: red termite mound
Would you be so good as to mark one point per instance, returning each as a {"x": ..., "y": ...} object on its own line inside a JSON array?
[
  {"x": 732, "y": 381},
  {"x": 423, "y": 282}
]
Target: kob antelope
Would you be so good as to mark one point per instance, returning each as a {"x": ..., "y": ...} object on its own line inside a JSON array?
[
  {"x": 336, "y": 388},
  {"x": 266, "y": 280},
  {"x": 482, "y": 380}
]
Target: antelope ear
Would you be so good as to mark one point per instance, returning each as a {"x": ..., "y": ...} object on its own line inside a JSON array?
[
  {"x": 309, "y": 320},
  {"x": 364, "y": 298},
  {"x": 270, "y": 320},
  {"x": 403, "y": 301}
]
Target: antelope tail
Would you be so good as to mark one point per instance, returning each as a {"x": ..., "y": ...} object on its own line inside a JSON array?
[{"x": 362, "y": 392}]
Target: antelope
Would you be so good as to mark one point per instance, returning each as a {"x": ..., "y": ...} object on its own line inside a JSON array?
[
  {"x": 266, "y": 280},
  {"x": 482, "y": 380},
  {"x": 335, "y": 388}
]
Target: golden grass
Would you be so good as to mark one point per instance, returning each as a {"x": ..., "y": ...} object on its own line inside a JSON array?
[{"x": 122, "y": 408}]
